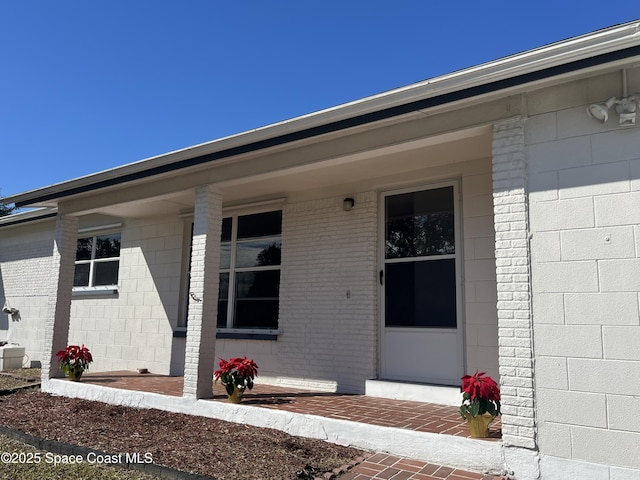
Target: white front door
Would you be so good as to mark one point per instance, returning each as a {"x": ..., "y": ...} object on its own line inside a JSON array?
[{"x": 421, "y": 335}]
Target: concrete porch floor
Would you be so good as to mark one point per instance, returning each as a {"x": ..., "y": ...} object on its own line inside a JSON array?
[{"x": 417, "y": 439}]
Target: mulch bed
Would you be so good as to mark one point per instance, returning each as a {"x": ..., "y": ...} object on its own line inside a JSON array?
[{"x": 222, "y": 450}]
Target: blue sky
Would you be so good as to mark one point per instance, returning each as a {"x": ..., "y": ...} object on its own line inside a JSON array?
[{"x": 90, "y": 85}]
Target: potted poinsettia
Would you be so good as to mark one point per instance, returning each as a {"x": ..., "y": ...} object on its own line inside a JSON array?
[
  {"x": 236, "y": 375},
  {"x": 74, "y": 360},
  {"x": 480, "y": 403}
]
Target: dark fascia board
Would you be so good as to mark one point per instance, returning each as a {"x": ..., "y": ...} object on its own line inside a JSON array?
[
  {"x": 355, "y": 121},
  {"x": 19, "y": 219}
]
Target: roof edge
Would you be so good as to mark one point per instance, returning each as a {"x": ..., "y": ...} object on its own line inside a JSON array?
[{"x": 28, "y": 217}]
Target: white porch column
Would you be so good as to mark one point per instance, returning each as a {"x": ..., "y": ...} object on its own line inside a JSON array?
[
  {"x": 56, "y": 326},
  {"x": 200, "y": 352},
  {"x": 513, "y": 269}
]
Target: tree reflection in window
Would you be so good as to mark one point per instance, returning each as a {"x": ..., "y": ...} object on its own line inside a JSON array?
[
  {"x": 420, "y": 224},
  {"x": 107, "y": 246}
]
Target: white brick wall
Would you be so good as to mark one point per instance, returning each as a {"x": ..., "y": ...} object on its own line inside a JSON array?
[
  {"x": 205, "y": 265},
  {"x": 584, "y": 207},
  {"x": 513, "y": 284},
  {"x": 329, "y": 337},
  {"x": 56, "y": 323}
]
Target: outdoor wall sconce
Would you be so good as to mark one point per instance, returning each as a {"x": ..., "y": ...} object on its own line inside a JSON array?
[
  {"x": 348, "y": 204},
  {"x": 9, "y": 310},
  {"x": 625, "y": 106}
]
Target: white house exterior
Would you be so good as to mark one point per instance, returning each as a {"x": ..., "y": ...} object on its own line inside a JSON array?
[{"x": 494, "y": 226}]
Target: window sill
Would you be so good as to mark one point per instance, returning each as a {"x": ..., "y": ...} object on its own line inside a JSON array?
[
  {"x": 237, "y": 333},
  {"x": 248, "y": 334},
  {"x": 94, "y": 291}
]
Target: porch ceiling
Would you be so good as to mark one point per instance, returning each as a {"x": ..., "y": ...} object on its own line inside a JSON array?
[{"x": 374, "y": 169}]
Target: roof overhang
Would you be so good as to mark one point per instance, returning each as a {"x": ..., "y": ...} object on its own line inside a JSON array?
[
  {"x": 29, "y": 216},
  {"x": 588, "y": 53}
]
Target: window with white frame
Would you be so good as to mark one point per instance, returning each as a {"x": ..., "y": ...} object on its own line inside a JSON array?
[
  {"x": 97, "y": 260},
  {"x": 249, "y": 292}
]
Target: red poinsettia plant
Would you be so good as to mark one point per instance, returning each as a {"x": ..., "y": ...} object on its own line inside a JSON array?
[
  {"x": 73, "y": 357},
  {"x": 236, "y": 372},
  {"x": 480, "y": 395}
]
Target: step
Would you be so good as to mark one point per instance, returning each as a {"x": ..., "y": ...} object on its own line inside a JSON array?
[{"x": 415, "y": 392}]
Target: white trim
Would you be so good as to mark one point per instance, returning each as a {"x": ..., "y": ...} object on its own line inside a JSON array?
[
  {"x": 270, "y": 331},
  {"x": 230, "y": 210},
  {"x": 264, "y": 206},
  {"x": 99, "y": 290},
  {"x": 100, "y": 228}
]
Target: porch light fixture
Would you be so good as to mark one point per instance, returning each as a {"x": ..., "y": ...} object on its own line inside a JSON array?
[
  {"x": 625, "y": 106},
  {"x": 348, "y": 204}
]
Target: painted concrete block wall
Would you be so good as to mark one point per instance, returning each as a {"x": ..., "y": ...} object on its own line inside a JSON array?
[
  {"x": 25, "y": 267},
  {"x": 134, "y": 329},
  {"x": 584, "y": 180},
  {"x": 481, "y": 324}
]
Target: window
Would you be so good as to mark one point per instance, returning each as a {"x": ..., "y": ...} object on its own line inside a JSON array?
[
  {"x": 248, "y": 297},
  {"x": 97, "y": 261}
]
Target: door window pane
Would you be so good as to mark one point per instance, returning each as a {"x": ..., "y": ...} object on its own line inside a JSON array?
[
  {"x": 420, "y": 224},
  {"x": 421, "y": 294}
]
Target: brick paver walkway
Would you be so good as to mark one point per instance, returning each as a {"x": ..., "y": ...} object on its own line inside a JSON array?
[{"x": 389, "y": 467}]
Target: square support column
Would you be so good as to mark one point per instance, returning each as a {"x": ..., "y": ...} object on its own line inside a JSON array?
[
  {"x": 200, "y": 354},
  {"x": 513, "y": 269},
  {"x": 56, "y": 327}
]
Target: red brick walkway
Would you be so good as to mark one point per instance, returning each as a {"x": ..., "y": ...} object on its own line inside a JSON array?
[
  {"x": 418, "y": 416},
  {"x": 389, "y": 467}
]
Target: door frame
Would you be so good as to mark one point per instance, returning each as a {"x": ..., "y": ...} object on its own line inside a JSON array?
[{"x": 459, "y": 240}]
